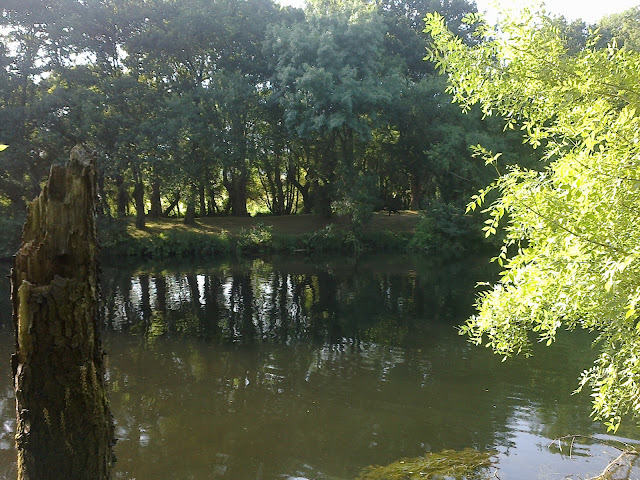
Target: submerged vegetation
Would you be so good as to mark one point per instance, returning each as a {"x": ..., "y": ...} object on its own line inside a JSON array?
[{"x": 467, "y": 464}]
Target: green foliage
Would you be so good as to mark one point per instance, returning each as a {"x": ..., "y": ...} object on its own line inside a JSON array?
[
  {"x": 424, "y": 237},
  {"x": 329, "y": 73},
  {"x": 358, "y": 198},
  {"x": 467, "y": 464},
  {"x": 624, "y": 27},
  {"x": 258, "y": 239},
  {"x": 211, "y": 106},
  {"x": 174, "y": 243},
  {"x": 445, "y": 229},
  {"x": 385, "y": 241},
  {"x": 327, "y": 239},
  {"x": 10, "y": 234},
  {"x": 571, "y": 253},
  {"x": 116, "y": 239}
]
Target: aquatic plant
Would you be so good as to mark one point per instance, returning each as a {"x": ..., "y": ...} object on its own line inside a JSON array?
[{"x": 467, "y": 464}]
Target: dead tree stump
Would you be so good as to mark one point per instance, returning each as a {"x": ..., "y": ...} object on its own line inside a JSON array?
[{"x": 64, "y": 428}]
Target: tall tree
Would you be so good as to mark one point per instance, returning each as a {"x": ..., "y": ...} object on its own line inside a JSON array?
[
  {"x": 624, "y": 27},
  {"x": 331, "y": 79},
  {"x": 33, "y": 44},
  {"x": 404, "y": 23}
]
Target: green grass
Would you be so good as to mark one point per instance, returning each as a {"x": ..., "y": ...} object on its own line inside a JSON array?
[
  {"x": 246, "y": 236},
  {"x": 223, "y": 236},
  {"x": 227, "y": 236}
]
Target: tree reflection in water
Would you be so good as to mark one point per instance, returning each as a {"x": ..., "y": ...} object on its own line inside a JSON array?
[
  {"x": 285, "y": 302},
  {"x": 290, "y": 369}
]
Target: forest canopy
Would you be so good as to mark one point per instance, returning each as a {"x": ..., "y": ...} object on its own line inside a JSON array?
[
  {"x": 572, "y": 245},
  {"x": 230, "y": 107}
]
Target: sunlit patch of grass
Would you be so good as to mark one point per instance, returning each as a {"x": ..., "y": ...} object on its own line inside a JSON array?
[
  {"x": 165, "y": 237},
  {"x": 165, "y": 225}
]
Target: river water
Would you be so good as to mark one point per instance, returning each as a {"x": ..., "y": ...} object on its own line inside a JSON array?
[{"x": 297, "y": 369}]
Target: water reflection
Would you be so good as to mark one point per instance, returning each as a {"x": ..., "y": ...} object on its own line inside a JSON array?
[
  {"x": 294, "y": 370},
  {"x": 287, "y": 302}
]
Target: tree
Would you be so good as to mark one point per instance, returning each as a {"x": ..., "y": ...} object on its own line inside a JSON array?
[
  {"x": 205, "y": 56},
  {"x": 28, "y": 40},
  {"x": 432, "y": 146},
  {"x": 572, "y": 245},
  {"x": 404, "y": 21},
  {"x": 332, "y": 81},
  {"x": 624, "y": 27}
]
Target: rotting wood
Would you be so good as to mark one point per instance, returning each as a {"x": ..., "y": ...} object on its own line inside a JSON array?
[{"x": 64, "y": 425}]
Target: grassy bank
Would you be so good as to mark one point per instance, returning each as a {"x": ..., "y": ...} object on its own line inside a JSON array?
[
  {"x": 256, "y": 235},
  {"x": 444, "y": 233}
]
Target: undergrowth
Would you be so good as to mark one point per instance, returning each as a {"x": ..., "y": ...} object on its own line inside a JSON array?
[
  {"x": 440, "y": 233},
  {"x": 259, "y": 239}
]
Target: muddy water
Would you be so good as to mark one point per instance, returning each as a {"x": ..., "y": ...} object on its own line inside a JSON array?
[{"x": 295, "y": 369}]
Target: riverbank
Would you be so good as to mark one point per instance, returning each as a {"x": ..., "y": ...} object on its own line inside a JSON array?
[
  {"x": 447, "y": 234},
  {"x": 165, "y": 238}
]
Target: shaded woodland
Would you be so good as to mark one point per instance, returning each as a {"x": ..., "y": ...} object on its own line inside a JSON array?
[{"x": 230, "y": 107}]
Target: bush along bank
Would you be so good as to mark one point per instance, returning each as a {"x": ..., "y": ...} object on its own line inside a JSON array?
[
  {"x": 452, "y": 239},
  {"x": 257, "y": 240},
  {"x": 442, "y": 233}
]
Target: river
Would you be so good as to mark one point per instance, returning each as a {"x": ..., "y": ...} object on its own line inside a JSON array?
[{"x": 314, "y": 369}]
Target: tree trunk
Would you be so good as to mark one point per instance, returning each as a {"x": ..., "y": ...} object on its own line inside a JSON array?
[
  {"x": 239, "y": 201},
  {"x": 123, "y": 197},
  {"x": 138, "y": 198},
  {"x": 213, "y": 206},
  {"x": 416, "y": 192},
  {"x": 203, "y": 200},
  {"x": 307, "y": 206},
  {"x": 237, "y": 190},
  {"x": 64, "y": 426},
  {"x": 103, "y": 206},
  {"x": 190, "y": 215},
  {"x": 156, "y": 201},
  {"x": 174, "y": 204},
  {"x": 320, "y": 199}
]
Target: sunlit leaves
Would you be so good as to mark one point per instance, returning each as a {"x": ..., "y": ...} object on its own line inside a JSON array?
[{"x": 572, "y": 248}]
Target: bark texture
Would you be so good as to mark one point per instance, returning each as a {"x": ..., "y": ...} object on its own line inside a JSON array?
[{"x": 64, "y": 425}]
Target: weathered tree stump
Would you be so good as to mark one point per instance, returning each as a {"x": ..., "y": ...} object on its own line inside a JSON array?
[{"x": 65, "y": 428}]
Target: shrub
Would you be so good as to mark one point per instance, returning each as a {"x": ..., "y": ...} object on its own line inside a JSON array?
[
  {"x": 258, "y": 239},
  {"x": 445, "y": 229},
  {"x": 358, "y": 198}
]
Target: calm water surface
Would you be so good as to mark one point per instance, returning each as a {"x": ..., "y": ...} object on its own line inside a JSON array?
[{"x": 296, "y": 369}]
